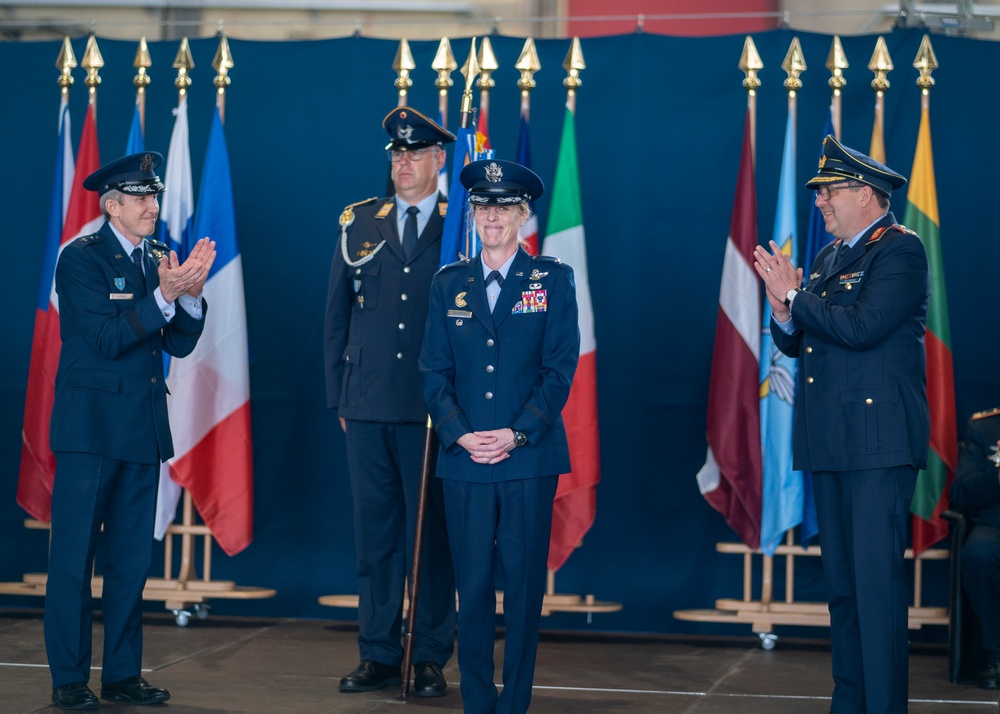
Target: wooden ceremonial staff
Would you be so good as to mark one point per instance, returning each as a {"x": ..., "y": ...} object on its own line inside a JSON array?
[{"x": 470, "y": 70}]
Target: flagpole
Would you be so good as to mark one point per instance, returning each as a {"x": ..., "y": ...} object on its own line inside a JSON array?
[
  {"x": 222, "y": 63},
  {"x": 403, "y": 64},
  {"x": 528, "y": 63},
  {"x": 470, "y": 70},
  {"x": 751, "y": 63},
  {"x": 836, "y": 62},
  {"x": 444, "y": 64},
  {"x": 142, "y": 62},
  {"x": 487, "y": 65},
  {"x": 881, "y": 65},
  {"x": 65, "y": 63},
  {"x": 92, "y": 62}
]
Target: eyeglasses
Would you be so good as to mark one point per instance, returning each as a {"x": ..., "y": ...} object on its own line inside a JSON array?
[
  {"x": 825, "y": 192},
  {"x": 396, "y": 156}
]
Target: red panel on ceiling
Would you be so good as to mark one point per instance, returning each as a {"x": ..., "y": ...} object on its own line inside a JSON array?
[{"x": 709, "y": 17}]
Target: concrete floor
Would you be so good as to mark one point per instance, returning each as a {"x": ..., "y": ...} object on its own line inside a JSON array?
[{"x": 285, "y": 665}]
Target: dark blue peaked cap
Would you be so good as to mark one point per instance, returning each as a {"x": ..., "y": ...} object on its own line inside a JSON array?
[
  {"x": 492, "y": 182},
  {"x": 409, "y": 129},
  {"x": 133, "y": 174},
  {"x": 840, "y": 163}
]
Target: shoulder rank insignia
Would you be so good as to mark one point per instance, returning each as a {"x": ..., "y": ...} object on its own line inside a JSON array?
[
  {"x": 347, "y": 216},
  {"x": 904, "y": 229},
  {"x": 985, "y": 414},
  {"x": 384, "y": 209},
  {"x": 442, "y": 208},
  {"x": 877, "y": 234}
]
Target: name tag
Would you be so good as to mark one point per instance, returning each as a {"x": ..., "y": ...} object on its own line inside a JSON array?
[
  {"x": 460, "y": 313},
  {"x": 122, "y": 296}
]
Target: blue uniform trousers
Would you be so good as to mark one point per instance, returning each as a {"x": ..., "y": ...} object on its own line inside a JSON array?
[
  {"x": 90, "y": 490},
  {"x": 508, "y": 522},
  {"x": 981, "y": 579},
  {"x": 384, "y": 463},
  {"x": 863, "y": 519}
]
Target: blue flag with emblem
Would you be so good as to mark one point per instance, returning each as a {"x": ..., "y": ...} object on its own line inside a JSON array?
[
  {"x": 456, "y": 236},
  {"x": 782, "y": 488}
]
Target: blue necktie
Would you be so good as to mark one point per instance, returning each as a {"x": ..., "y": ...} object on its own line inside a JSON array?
[
  {"x": 410, "y": 232},
  {"x": 495, "y": 275},
  {"x": 137, "y": 259}
]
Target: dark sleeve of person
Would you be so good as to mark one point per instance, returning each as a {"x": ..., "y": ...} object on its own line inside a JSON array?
[
  {"x": 895, "y": 285},
  {"x": 977, "y": 479},
  {"x": 337, "y": 325},
  {"x": 84, "y": 301},
  {"x": 182, "y": 333}
]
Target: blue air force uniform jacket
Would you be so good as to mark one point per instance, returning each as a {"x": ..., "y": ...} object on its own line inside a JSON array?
[
  {"x": 110, "y": 394},
  {"x": 976, "y": 490},
  {"x": 859, "y": 336},
  {"x": 512, "y": 368},
  {"x": 375, "y": 313}
]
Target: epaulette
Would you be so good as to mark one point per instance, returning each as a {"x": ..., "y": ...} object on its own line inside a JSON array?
[
  {"x": 985, "y": 414},
  {"x": 457, "y": 264},
  {"x": 157, "y": 249},
  {"x": 87, "y": 240},
  {"x": 904, "y": 229},
  {"x": 546, "y": 258},
  {"x": 347, "y": 216}
]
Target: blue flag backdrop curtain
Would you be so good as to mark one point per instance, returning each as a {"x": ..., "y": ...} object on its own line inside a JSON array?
[{"x": 657, "y": 189}]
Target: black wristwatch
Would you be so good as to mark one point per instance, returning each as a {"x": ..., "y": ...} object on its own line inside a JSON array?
[
  {"x": 519, "y": 438},
  {"x": 790, "y": 295}
]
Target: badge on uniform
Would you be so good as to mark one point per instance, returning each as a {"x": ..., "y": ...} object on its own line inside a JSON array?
[
  {"x": 531, "y": 301},
  {"x": 849, "y": 278},
  {"x": 995, "y": 456},
  {"x": 460, "y": 302},
  {"x": 537, "y": 275},
  {"x": 120, "y": 283},
  {"x": 357, "y": 285}
]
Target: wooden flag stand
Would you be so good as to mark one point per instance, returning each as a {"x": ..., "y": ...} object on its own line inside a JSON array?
[
  {"x": 553, "y": 602},
  {"x": 764, "y": 613},
  {"x": 185, "y": 594}
]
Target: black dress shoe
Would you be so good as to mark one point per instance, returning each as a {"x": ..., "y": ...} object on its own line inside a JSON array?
[
  {"x": 75, "y": 695},
  {"x": 135, "y": 690},
  {"x": 989, "y": 675},
  {"x": 369, "y": 676},
  {"x": 428, "y": 681}
]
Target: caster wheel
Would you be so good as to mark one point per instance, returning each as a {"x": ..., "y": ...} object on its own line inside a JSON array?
[
  {"x": 768, "y": 641},
  {"x": 182, "y": 617},
  {"x": 201, "y": 611}
]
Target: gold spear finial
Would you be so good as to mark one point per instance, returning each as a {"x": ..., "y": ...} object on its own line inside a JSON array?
[
  {"x": 142, "y": 62},
  {"x": 528, "y": 63},
  {"x": 403, "y": 64},
  {"x": 222, "y": 63},
  {"x": 92, "y": 62},
  {"x": 881, "y": 65},
  {"x": 926, "y": 63},
  {"x": 487, "y": 65},
  {"x": 750, "y": 63},
  {"x": 836, "y": 62},
  {"x": 444, "y": 64},
  {"x": 794, "y": 65},
  {"x": 469, "y": 70},
  {"x": 65, "y": 62},
  {"x": 573, "y": 64},
  {"x": 183, "y": 63}
]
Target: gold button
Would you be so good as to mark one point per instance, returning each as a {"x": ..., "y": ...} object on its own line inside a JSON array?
[
  {"x": 809, "y": 380},
  {"x": 847, "y": 287},
  {"x": 809, "y": 350},
  {"x": 823, "y": 294},
  {"x": 869, "y": 401}
]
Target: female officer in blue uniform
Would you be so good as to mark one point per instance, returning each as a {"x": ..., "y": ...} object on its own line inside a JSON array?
[{"x": 500, "y": 349}]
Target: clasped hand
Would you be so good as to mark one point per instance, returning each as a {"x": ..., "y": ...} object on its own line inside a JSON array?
[
  {"x": 488, "y": 447},
  {"x": 187, "y": 278},
  {"x": 779, "y": 276}
]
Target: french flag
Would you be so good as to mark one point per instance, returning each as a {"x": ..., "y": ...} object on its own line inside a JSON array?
[
  {"x": 210, "y": 388},
  {"x": 73, "y": 212}
]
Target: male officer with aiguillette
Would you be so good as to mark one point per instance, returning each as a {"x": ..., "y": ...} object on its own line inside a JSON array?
[{"x": 386, "y": 254}]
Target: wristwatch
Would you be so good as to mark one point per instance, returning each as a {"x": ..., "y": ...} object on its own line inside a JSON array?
[
  {"x": 519, "y": 438},
  {"x": 790, "y": 295}
]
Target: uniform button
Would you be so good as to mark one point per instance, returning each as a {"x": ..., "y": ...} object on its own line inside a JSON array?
[
  {"x": 869, "y": 401},
  {"x": 489, "y": 368},
  {"x": 406, "y": 268},
  {"x": 399, "y": 355},
  {"x": 154, "y": 353},
  {"x": 403, "y": 296},
  {"x": 809, "y": 380},
  {"x": 402, "y": 326},
  {"x": 847, "y": 287},
  {"x": 357, "y": 271},
  {"x": 489, "y": 342},
  {"x": 823, "y": 294},
  {"x": 488, "y": 395},
  {"x": 809, "y": 350},
  {"x": 153, "y": 380}
]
